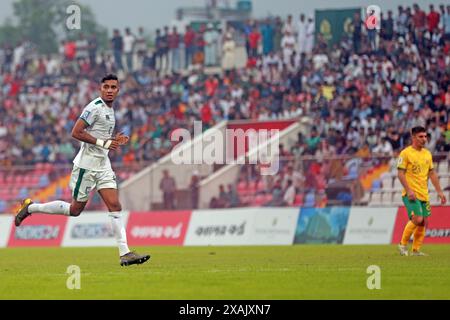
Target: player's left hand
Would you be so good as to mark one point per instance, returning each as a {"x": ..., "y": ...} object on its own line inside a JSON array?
[
  {"x": 442, "y": 197},
  {"x": 122, "y": 139}
]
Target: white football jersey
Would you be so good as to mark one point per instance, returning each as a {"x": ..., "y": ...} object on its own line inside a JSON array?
[{"x": 101, "y": 122}]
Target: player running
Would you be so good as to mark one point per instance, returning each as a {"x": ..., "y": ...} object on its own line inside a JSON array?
[
  {"x": 415, "y": 166},
  {"x": 92, "y": 169}
]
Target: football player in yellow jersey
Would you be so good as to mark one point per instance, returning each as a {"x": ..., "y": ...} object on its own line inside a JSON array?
[{"x": 415, "y": 167}]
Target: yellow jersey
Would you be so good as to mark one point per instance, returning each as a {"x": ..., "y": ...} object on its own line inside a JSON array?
[{"x": 417, "y": 165}]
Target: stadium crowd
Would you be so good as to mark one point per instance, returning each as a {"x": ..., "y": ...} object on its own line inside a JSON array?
[{"x": 362, "y": 94}]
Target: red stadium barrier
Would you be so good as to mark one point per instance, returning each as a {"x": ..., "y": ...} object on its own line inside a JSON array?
[
  {"x": 438, "y": 230},
  {"x": 40, "y": 231},
  {"x": 257, "y": 126},
  {"x": 157, "y": 228}
]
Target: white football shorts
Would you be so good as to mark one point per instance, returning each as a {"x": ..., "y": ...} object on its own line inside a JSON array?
[{"x": 83, "y": 181}]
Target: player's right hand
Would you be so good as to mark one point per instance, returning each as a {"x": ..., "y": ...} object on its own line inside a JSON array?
[
  {"x": 122, "y": 139},
  {"x": 442, "y": 198},
  {"x": 114, "y": 145},
  {"x": 411, "y": 195}
]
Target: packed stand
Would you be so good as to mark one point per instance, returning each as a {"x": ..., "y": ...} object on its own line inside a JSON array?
[{"x": 362, "y": 94}]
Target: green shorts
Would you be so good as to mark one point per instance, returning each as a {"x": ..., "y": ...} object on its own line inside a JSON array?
[{"x": 417, "y": 207}]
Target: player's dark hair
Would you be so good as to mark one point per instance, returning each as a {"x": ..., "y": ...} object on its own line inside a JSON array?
[
  {"x": 417, "y": 130},
  {"x": 110, "y": 77}
]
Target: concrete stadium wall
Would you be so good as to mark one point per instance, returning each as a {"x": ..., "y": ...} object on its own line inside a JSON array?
[
  {"x": 229, "y": 174},
  {"x": 141, "y": 190}
]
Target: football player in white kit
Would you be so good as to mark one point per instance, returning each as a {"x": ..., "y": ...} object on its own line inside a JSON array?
[{"x": 92, "y": 169}]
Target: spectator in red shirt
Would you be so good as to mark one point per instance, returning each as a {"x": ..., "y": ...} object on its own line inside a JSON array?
[
  {"x": 433, "y": 19},
  {"x": 447, "y": 97},
  {"x": 251, "y": 62},
  {"x": 41, "y": 67},
  {"x": 70, "y": 50},
  {"x": 199, "y": 55},
  {"x": 419, "y": 19},
  {"x": 15, "y": 88},
  {"x": 211, "y": 85},
  {"x": 189, "y": 45},
  {"x": 253, "y": 40},
  {"x": 206, "y": 113},
  {"x": 177, "y": 111},
  {"x": 447, "y": 47}
]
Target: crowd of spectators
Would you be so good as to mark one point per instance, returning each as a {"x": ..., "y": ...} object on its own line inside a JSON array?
[{"x": 363, "y": 93}]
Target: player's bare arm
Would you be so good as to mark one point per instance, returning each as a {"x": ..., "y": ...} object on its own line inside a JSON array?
[
  {"x": 435, "y": 181},
  {"x": 402, "y": 178},
  {"x": 79, "y": 132}
]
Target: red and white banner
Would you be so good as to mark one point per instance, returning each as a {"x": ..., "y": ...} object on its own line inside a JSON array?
[
  {"x": 39, "y": 231},
  {"x": 438, "y": 230},
  {"x": 158, "y": 228}
]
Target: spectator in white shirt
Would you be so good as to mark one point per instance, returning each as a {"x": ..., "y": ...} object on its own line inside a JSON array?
[
  {"x": 383, "y": 147},
  {"x": 310, "y": 28},
  {"x": 302, "y": 26},
  {"x": 289, "y": 194},
  {"x": 140, "y": 47},
  {"x": 289, "y": 26},
  {"x": 288, "y": 46},
  {"x": 82, "y": 45},
  {"x": 128, "y": 47}
]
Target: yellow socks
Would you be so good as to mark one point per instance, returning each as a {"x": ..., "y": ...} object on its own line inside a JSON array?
[
  {"x": 409, "y": 230},
  {"x": 419, "y": 235}
]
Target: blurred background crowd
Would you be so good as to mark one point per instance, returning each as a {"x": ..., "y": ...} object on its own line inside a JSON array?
[{"x": 362, "y": 93}]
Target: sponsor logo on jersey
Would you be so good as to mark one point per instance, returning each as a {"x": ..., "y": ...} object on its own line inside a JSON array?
[{"x": 85, "y": 115}]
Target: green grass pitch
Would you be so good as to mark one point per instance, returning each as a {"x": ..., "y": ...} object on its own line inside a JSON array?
[{"x": 223, "y": 273}]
